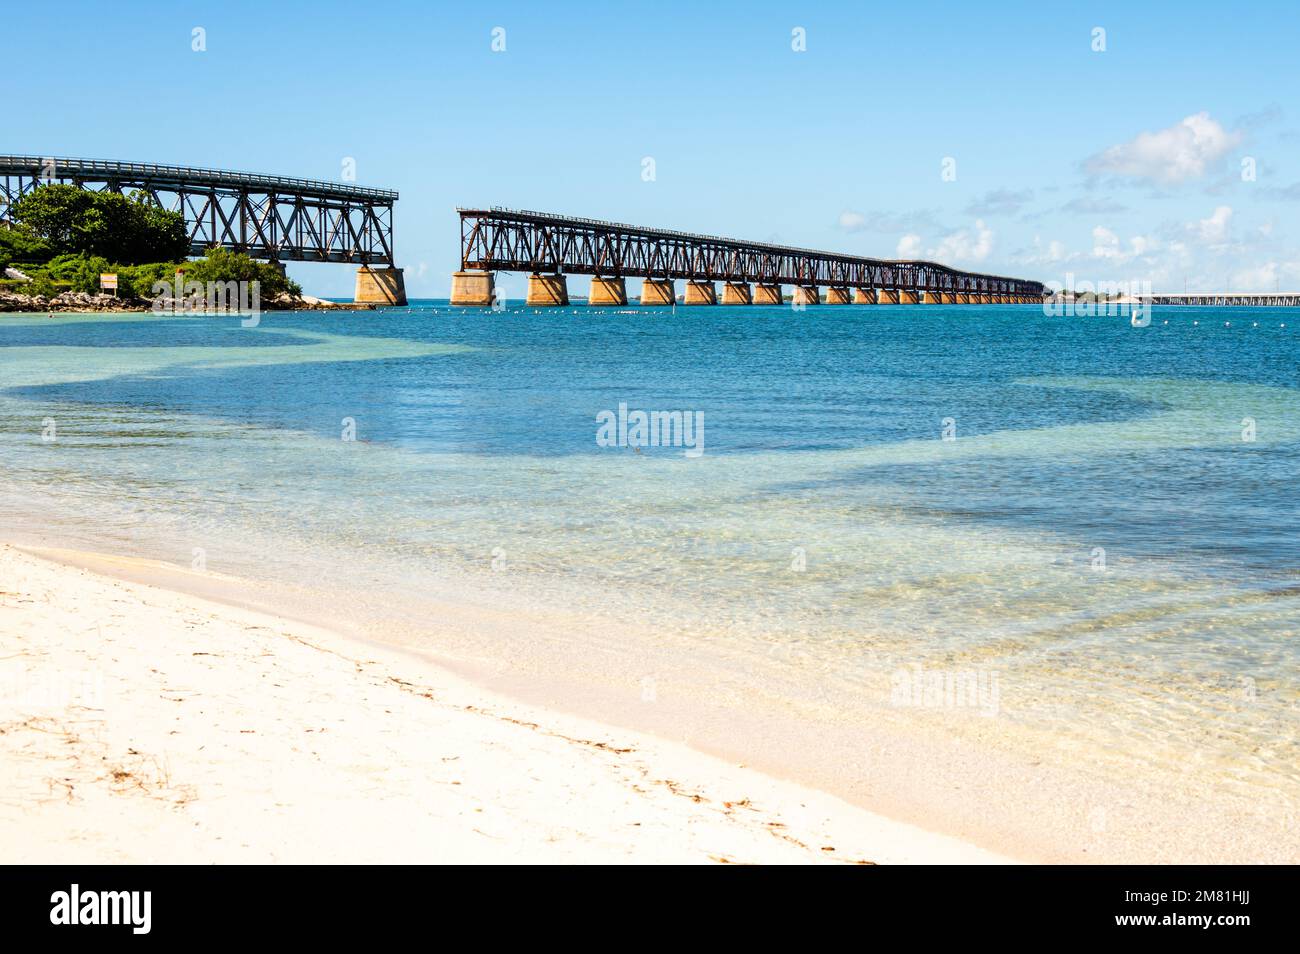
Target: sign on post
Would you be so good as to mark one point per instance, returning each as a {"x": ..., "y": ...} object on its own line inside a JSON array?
[{"x": 107, "y": 281}]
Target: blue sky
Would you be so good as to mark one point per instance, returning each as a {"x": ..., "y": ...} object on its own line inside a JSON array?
[{"x": 1122, "y": 164}]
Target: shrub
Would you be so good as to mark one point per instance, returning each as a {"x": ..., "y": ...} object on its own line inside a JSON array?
[{"x": 222, "y": 265}]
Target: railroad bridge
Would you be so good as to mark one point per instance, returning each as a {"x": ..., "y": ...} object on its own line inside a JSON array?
[
  {"x": 551, "y": 247},
  {"x": 274, "y": 218}
]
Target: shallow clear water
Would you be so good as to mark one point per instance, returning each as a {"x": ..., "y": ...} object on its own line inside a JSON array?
[{"x": 1102, "y": 533}]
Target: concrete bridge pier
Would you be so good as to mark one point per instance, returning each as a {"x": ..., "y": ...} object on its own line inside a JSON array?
[
  {"x": 656, "y": 291},
  {"x": 908, "y": 297},
  {"x": 383, "y": 286},
  {"x": 475, "y": 289},
  {"x": 886, "y": 296},
  {"x": 607, "y": 291},
  {"x": 837, "y": 295},
  {"x": 737, "y": 293},
  {"x": 700, "y": 293},
  {"x": 547, "y": 291},
  {"x": 767, "y": 294},
  {"x": 864, "y": 296},
  {"x": 806, "y": 295}
]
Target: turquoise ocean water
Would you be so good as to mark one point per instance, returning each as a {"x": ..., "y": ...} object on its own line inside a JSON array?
[{"x": 1111, "y": 528}]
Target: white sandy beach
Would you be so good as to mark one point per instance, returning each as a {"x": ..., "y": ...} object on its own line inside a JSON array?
[{"x": 139, "y": 724}]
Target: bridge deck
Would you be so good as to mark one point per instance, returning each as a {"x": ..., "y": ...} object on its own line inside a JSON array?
[{"x": 104, "y": 170}]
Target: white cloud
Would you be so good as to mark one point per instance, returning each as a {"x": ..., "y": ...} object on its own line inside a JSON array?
[
  {"x": 1000, "y": 202},
  {"x": 1215, "y": 229},
  {"x": 964, "y": 245},
  {"x": 1088, "y": 205},
  {"x": 909, "y": 246},
  {"x": 853, "y": 221},
  {"x": 1181, "y": 152},
  {"x": 1107, "y": 245},
  {"x": 1053, "y": 253},
  {"x": 918, "y": 220},
  {"x": 1261, "y": 278}
]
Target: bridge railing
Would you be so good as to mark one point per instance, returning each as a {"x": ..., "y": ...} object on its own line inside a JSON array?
[{"x": 64, "y": 167}]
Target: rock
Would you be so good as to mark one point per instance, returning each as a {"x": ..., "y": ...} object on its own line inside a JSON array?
[
  {"x": 67, "y": 301},
  {"x": 11, "y": 301}
]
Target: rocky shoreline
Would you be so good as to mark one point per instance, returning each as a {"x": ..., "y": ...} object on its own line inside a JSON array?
[{"x": 84, "y": 302}]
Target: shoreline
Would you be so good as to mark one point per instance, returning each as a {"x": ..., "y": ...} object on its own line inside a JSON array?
[
  {"x": 108, "y": 305},
  {"x": 1048, "y": 804},
  {"x": 145, "y": 724}
]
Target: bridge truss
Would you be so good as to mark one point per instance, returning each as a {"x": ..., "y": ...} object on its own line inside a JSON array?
[
  {"x": 507, "y": 240},
  {"x": 266, "y": 217}
]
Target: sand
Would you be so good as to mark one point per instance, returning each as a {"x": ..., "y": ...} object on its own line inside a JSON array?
[{"x": 140, "y": 724}]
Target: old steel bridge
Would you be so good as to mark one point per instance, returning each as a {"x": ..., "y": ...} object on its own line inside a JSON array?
[
  {"x": 549, "y": 247},
  {"x": 275, "y": 218}
]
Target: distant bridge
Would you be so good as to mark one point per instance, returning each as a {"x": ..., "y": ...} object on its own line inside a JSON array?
[
  {"x": 549, "y": 247},
  {"x": 275, "y": 218},
  {"x": 1276, "y": 299}
]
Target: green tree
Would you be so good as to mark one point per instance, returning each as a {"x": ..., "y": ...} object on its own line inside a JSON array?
[
  {"x": 164, "y": 237},
  {"x": 69, "y": 220},
  {"x": 18, "y": 245},
  {"x": 55, "y": 215}
]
